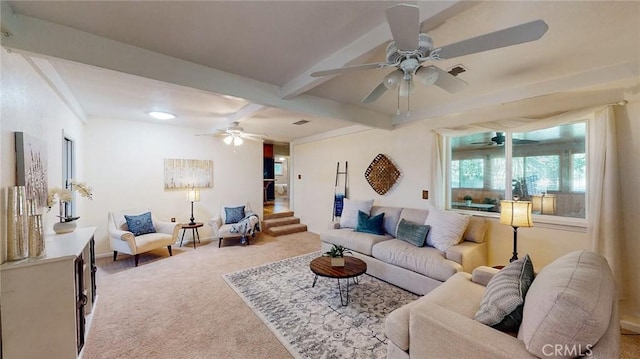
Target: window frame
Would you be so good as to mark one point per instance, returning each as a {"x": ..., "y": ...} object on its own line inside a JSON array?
[{"x": 540, "y": 220}]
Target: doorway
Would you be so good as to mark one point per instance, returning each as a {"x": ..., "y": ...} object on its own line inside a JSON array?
[{"x": 276, "y": 178}]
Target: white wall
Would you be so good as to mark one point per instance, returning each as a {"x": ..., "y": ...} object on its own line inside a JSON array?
[
  {"x": 125, "y": 167},
  {"x": 29, "y": 105}
]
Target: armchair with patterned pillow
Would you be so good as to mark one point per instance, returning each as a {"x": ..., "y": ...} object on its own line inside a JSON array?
[
  {"x": 137, "y": 231},
  {"x": 237, "y": 221}
]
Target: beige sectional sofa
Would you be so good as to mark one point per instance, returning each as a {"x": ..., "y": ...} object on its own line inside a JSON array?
[
  {"x": 416, "y": 269},
  {"x": 570, "y": 309}
]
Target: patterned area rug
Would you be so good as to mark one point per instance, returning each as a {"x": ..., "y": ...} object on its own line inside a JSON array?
[{"x": 311, "y": 322}]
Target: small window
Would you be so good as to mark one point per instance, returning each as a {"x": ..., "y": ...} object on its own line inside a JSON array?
[
  {"x": 68, "y": 170},
  {"x": 277, "y": 169}
]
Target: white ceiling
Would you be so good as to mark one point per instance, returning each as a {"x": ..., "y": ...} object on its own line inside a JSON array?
[{"x": 208, "y": 60}]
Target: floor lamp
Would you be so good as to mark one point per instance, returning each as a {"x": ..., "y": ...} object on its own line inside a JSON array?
[
  {"x": 516, "y": 214},
  {"x": 193, "y": 195}
]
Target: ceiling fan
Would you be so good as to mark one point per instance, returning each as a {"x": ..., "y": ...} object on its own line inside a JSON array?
[
  {"x": 499, "y": 139},
  {"x": 410, "y": 49},
  {"x": 235, "y": 135}
]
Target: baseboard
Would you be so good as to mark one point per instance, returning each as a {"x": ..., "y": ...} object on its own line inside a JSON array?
[{"x": 631, "y": 323}]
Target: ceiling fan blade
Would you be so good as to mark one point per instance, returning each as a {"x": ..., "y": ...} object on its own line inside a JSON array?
[
  {"x": 404, "y": 22},
  {"x": 375, "y": 94},
  {"x": 517, "y": 141},
  {"x": 507, "y": 37},
  {"x": 341, "y": 70}
]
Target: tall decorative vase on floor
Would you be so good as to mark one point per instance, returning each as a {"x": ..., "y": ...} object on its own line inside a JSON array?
[
  {"x": 36, "y": 236},
  {"x": 17, "y": 224}
]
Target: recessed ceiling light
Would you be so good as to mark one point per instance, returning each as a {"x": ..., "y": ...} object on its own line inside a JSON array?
[{"x": 161, "y": 115}]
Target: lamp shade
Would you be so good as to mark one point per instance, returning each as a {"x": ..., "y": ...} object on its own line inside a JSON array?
[
  {"x": 544, "y": 204},
  {"x": 193, "y": 195},
  {"x": 516, "y": 213}
]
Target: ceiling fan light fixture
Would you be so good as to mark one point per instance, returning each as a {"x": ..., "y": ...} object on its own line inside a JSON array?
[
  {"x": 228, "y": 140},
  {"x": 237, "y": 141},
  {"x": 406, "y": 88},
  {"x": 392, "y": 80},
  {"x": 161, "y": 115},
  {"x": 427, "y": 75}
]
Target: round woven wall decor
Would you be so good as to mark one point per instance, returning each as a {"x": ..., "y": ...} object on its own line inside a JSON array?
[{"x": 382, "y": 174}]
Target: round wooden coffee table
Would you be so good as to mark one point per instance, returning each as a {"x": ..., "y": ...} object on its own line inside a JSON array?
[{"x": 353, "y": 267}]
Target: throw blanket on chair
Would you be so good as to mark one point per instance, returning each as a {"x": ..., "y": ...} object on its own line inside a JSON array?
[{"x": 244, "y": 226}]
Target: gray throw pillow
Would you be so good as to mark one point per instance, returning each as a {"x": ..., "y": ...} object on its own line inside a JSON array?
[
  {"x": 140, "y": 224},
  {"x": 233, "y": 214},
  {"x": 413, "y": 233},
  {"x": 503, "y": 300}
]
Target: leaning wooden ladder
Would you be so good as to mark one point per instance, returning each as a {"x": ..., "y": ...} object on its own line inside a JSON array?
[{"x": 340, "y": 195}]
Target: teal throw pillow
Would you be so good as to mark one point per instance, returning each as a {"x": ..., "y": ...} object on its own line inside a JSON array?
[
  {"x": 503, "y": 300},
  {"x": 140, "y": 224},
  {"x": 413, "y": 233},
  {"x": 373, "y": 225},
  {"x": 233, "y": 214}
]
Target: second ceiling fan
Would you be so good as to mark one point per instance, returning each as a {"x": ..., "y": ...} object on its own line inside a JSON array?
[{"x": 410, "y": 49}]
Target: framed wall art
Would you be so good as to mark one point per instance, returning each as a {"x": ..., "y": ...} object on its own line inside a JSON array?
[
  {"x": 185, "y": 173},
  {"x": 31, "y": 167}
]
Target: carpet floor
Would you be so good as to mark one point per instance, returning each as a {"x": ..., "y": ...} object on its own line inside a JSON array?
[
  {"x": 310, "y": 320},
  {"x": 181, "y": 307}
]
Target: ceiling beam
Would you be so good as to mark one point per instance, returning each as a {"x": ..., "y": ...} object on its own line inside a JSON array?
[
  {"x": 432, "y": 14},
  {"x": 34, "y": 36},
  {"x": 572, "y": 82},
  {"x": 245, "y": 113}
]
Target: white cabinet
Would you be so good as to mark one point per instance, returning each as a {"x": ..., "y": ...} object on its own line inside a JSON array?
[{"x": 47, "y": 302}]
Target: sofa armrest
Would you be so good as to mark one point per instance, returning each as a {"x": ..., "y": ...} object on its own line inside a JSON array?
[
  {"x": 437, "y": 332},
  {"x": 215, "y": 224},
  {"x": 468, "y": 254},
  {"x": 483, "y": 274},
  {"x": 167, "y": 227}
]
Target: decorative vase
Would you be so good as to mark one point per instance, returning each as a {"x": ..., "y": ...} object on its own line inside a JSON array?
[
  {"x": 36, "y": 236},
  {"x": 337, "y": 261},
  {"x": 17, "y": 224},
  {"x": 64, "y": 227}
]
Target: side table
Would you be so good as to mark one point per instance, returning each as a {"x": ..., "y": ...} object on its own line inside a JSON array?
[{"x": 194, "y": 232}]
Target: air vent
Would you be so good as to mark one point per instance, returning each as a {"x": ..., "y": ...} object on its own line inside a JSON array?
[
  {"x": 301, "y": 122},
  {"x": 457, "y": 70}
]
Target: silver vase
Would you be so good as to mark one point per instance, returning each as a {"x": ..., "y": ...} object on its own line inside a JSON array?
[
  {"x": 17, "y": 224},
  {"x": 36, "y": 236}
]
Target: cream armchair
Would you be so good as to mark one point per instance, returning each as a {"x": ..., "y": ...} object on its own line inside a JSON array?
[
  {"x": 122, "y": 240},
  {"x": 223, "y": 230}
]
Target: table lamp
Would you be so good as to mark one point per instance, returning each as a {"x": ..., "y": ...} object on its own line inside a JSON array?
[
  {"x": 544, "y": 203},
  {"x": 193, "y": 195},
  {"x": 516, "y": 214}
]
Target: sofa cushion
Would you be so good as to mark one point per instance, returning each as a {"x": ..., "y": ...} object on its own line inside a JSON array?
[
  {"x": 356, "y": 241},
  {"x": 370, "y": 224},
  {"x": 447, "y": 228},
  {"x": 391, "y": 217},
  {"x": 140, "y": 224},
  {"x": 423, "y": 260},
  {"x": 233, "y": 214},
  {"x": 501, "y": 305},
  {"x": 570, "y": 303},
  {"x": 476, "y": 230},
  {"x": 349, "y": 218},
  {"x": 413, "y": 233}
]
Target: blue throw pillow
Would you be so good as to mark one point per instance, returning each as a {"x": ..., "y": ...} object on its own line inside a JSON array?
[
  {"x": 373, "y": 225},
  {"x": 413, "y": 233},
  {"x": 140, "y": 224},
  {"x": 233, "y": 214}
]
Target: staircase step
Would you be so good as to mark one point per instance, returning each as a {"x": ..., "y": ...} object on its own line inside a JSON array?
[
  {"x": 275, "y": 222},
  {"x": 286, "y": 229},
  {"x": 278, "y": 215}
]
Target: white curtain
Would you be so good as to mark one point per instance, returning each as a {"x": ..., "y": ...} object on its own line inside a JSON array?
[{"x": 605, "y": 230}]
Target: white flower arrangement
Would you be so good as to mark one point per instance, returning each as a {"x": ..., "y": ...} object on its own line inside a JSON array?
[{"x": 64, "y": 195}]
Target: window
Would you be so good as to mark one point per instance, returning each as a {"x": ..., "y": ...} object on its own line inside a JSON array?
[
  {"x": 549, "y": 162},
  {"x": 277, "y": 168},
  {"x": 68, "y": 170}
]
